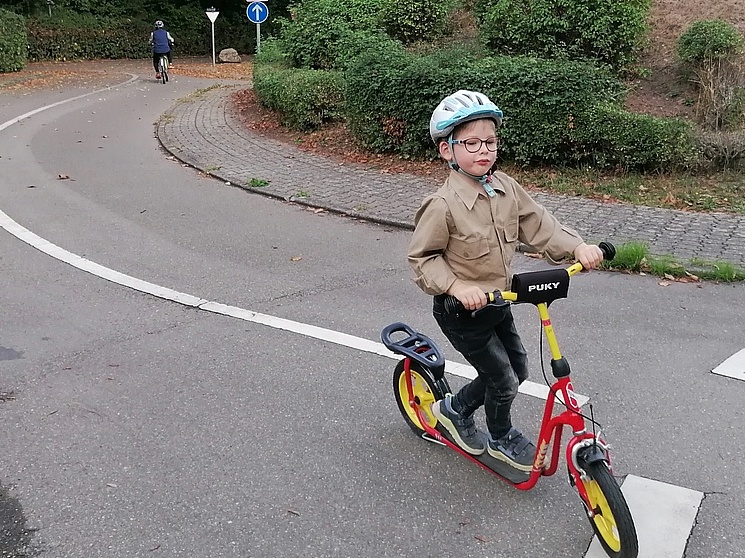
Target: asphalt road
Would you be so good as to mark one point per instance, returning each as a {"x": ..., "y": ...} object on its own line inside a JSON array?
[{"x": 141, "y": 427}]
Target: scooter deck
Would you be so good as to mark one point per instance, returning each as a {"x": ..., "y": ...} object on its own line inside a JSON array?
[{"x": 498, "y": 467}]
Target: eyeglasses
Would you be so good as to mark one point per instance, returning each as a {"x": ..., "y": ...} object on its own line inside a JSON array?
[{"x": 473, "y": 145}]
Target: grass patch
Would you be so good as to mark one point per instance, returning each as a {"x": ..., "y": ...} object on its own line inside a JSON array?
[
  {"x": 724, "y": 191},
  {"x": 635, "y": 257},
  {"x": 257, "y": 183}
]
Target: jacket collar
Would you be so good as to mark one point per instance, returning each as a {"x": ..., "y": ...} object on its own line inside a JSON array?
[{"x": 468, "y": 190}]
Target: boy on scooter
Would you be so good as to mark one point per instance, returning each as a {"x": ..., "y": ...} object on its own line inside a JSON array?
[{"x": 464, "y": 239}]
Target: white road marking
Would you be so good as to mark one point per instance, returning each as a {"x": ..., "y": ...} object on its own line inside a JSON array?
[
  {"x": 58, "y": 103},
  {"x": 339, "y": 338},
  {"x": 663, "y": 514},
  {"x": 733, "y": 367}
]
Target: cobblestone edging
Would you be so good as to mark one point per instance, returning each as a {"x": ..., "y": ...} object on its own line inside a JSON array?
[{"x": 201, "y": 131}]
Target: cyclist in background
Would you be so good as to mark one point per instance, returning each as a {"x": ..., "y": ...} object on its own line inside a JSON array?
[{"x": 161, "y": 41}]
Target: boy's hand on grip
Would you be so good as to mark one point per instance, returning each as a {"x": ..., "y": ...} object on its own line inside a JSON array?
[
  {"x": 471, "y": 297},
  {"x": 589, "y": 255}
]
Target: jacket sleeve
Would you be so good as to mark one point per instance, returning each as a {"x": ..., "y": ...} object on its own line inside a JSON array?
[
  {"x": 542, "y": 231},
  {"x": 428, "y": 243}
]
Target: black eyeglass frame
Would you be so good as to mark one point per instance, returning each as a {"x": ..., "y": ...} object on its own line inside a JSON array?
[{"x": 464, "y": 142}]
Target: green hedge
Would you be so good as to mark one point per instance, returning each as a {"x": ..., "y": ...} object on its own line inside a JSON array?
[
  {"x": 304, "y": 99},
  {"x": 615, "y": 138},
  {"x": 68, "y": 35},
  {"x": 609, "y": 31},
  {"x": 12, "y": 41},
  {"x": 556, "y": 112},
  {"x": 540, "y": 99},
  {"x": 63, "y": 43}
]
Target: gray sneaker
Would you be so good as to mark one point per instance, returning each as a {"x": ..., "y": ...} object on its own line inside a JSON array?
[
  {"x": 462, "y": 429},
  {"x": 514, "y": 449}
]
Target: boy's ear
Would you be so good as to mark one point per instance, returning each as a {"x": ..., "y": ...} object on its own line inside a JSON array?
[{"x": 444, "y": 148}]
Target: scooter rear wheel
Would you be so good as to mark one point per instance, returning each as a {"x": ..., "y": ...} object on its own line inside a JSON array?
[{"x": 425, "y": 391}]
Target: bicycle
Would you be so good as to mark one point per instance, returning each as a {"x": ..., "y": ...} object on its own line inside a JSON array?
[
  {"x": 419, "y": 380},
  {"x": 163, "y": 68}
]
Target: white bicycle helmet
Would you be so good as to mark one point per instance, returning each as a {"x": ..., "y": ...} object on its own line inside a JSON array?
[
  {"x": 159, "y": 24},
  {"x": 458, "y": 108}
]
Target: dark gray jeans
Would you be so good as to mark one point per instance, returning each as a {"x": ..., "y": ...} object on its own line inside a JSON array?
[{"x": 491, "y": 344}]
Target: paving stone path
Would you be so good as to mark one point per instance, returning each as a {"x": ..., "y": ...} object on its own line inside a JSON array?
[{"x": 202, "y": 131}]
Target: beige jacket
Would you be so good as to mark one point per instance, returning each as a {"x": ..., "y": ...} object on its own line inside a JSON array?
[{"x": 463, "y": 234}]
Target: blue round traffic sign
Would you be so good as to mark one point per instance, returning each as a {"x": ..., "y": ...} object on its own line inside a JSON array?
[{"x": 257, "y": 12}]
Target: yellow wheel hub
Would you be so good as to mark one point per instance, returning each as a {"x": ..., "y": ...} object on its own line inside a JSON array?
[{"x": 422, "y": 395}]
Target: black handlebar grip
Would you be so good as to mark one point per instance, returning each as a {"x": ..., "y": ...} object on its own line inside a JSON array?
[
  {"x": 452, "y": 305},
  {"x": 608, "y": 250}
]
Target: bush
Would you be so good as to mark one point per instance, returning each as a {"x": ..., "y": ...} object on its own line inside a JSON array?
[
  {"x": 304, "y": 99},
  {"x": 712, "y": 51},
  {"x": 69, "y": 35},
  {"x": 12, "y": 41},
  {"x": 610, "y": 32},
  {"x": 352, "y": 44},
  {"x": 311, "y": 36},
  {"x": 612, "y": 137},
  {"x": 722, "y": 150},
  {"x": 707, "y": 39},
  {"x": 417, "y": 20},
  {"x": 59, "y": 41},
  {"x": 540, "y": 98}
]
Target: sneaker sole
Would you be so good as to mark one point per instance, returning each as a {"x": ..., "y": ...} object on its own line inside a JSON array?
[
  {"x": 496, "y": 454},
  {"x": 450, "y": 427}
]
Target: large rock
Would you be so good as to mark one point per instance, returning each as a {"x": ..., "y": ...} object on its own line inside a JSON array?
[{"x": 229, "y": 55}]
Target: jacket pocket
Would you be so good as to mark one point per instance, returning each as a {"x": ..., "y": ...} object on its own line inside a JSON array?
[
  {"x": 512, "y": 231},
  {"x": 469, "y": 249}
]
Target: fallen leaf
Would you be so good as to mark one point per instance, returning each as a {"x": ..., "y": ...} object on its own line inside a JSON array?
[
  {"x": 481, "y": 538},
  {"x": 156, "y": 547},
  {"x": 296, "y": 258},
  {"x": 669, "y": 277},
  {"x": 663, "y": 283},
  {"x": 293, "y": 512},
  {"x": 63, "y": 177},
  {"x": 110, "y": 485}
]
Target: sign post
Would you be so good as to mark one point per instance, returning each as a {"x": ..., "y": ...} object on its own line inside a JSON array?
[
  {"x": 257, "y": 13},
  {"x": 212, "y": 15}
]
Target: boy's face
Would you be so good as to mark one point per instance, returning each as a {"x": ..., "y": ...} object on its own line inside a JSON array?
[{"x": 481, "y": 161}]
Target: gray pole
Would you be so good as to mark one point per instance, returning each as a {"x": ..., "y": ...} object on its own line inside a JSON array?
[
  {"x": 258, "y": 38},
  {"x": 213, "y": 43}
]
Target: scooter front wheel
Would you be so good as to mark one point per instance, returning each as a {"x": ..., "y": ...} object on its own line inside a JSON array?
[
  {"x": 611, "y": 519},
  {"x": 425, "y": 391}
]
